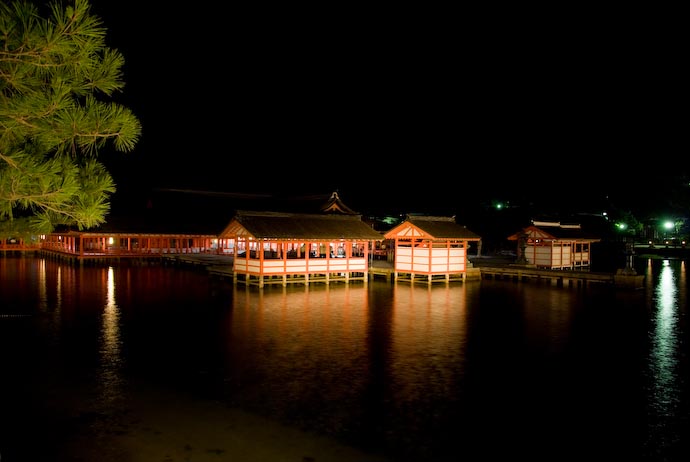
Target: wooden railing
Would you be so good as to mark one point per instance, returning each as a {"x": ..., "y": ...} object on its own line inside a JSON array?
[{"x": 18, "y": 246}]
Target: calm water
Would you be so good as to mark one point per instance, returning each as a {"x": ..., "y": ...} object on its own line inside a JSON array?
[{"x": 468, "y": 371}]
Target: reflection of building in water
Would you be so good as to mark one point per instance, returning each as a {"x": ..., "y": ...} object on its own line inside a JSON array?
[
  {"x": 111, "y": 354},
  {"x": 429, "y": 328},
  {"x": 299, "y": 338}
]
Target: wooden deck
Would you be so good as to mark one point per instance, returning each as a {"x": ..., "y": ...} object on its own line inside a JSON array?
[
  {"x": 498, "y": 269},
  {"x": 221, "y": 266},
  {"x": 381, "y": 269},
  {"x": 563, "y": 278}
]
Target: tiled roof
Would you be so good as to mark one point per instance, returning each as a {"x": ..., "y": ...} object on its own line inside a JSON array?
[
  {"x": 336, "y": 205},
  {"x": 556, "y": 231},
  {"x": 437, "y": 227},
  {"x": 284, "y": 225}
]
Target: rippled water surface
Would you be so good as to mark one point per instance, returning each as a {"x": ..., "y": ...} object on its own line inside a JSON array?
[{"x": 449, "y": 372}]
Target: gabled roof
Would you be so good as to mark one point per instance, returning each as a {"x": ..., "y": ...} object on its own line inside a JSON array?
[
  {"x": 283, "y": 225},
  {"x": 431, "y": 227},
  {"x": 555, "y": 231},
  {"x": 336, "y": 205}
]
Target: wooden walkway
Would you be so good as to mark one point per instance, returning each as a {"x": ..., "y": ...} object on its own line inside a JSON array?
[
  {"x": 560, "y": 278},
  {"x": 221, "y": 266},
  {"x": 563, "y": 278}
]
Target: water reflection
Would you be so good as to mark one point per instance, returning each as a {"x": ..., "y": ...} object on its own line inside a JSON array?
[
  {"x": 42, "y": 286},
  {"x": 306, "y": 341},
  {"x": 361, "y": 362},
  {"x": 547, "y": 323},
  {"x": 665, "y": 354},
  {"x": 420, "y": 373},
  {"x": 110, "y": 349},
  {"x": 429, "y": 333}
]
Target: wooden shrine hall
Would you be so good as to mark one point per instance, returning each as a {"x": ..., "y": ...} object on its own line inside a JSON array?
[
  {"x": 553, "y": 245},
  {"x": 430, "y": 249},
  {"x": 283, "y": 248}
]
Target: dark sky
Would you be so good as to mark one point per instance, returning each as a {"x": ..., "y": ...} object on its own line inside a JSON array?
[{"x": 407, "y": 105}]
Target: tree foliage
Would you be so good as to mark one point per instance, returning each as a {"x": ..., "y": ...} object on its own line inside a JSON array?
[{"x": 57, "y": 82}]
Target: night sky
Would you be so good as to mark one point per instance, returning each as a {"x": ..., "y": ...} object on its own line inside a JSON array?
[{"x": 413, "y": 107}]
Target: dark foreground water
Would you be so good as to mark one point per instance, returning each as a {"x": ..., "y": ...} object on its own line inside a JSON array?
[{"x": 472, "y": 371}]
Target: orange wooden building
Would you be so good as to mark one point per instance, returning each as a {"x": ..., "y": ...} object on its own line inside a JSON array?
[
  {"x": 430, "y": 248},
  {"x": 17, "y": 244},
  {"x": 283, "y": 247},
  {"x": 95, "y": 245},
  {"x": 553, "y": 245}
]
